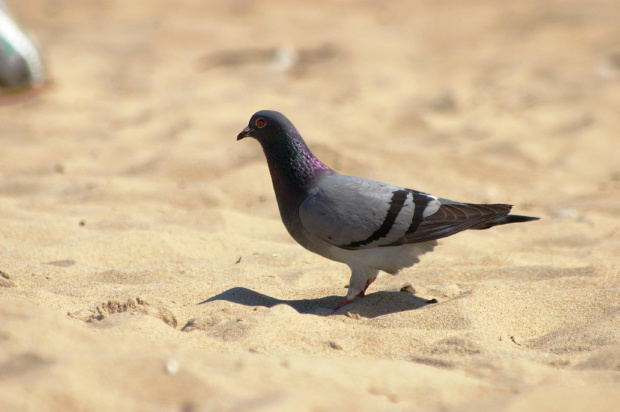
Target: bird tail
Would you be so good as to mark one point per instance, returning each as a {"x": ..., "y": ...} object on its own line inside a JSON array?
[{"x": 504, "y": 220}]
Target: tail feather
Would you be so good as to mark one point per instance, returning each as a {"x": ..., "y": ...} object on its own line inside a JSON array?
[
  {"x": 504, "y": 220},
  {"x": 454, "y": 217}
]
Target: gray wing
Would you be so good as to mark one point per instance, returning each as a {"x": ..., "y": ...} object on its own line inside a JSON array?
[{"x": 355, "y": 213}]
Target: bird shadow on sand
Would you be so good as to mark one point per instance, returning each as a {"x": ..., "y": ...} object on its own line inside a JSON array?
[{"x": 373, "y": 305}]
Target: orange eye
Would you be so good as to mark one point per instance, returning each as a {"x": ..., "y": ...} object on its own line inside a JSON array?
[{"x": 260, "y": 123}]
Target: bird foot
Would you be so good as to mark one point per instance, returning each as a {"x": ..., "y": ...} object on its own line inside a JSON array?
[
  {"x": 346, "y": 301},
  {"x": 342, "y": 303}
]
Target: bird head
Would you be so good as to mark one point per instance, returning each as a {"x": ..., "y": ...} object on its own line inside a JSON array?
[{"x": 266, "y": 125}]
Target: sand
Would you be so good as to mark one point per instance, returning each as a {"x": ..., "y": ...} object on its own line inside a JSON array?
[{"x": 144, "y": 264}]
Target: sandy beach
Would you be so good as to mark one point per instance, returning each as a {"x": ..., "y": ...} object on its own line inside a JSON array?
[{"x": 143, "y": 262}]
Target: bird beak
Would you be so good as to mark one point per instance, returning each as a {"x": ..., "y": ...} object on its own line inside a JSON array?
[{"x": 245, "y": 133}]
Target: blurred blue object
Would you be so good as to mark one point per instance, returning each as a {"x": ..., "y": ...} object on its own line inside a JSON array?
[{"x": 21, "y": 66}]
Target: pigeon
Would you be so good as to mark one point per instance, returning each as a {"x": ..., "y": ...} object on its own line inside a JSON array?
[{"x": 368, "y": 225}]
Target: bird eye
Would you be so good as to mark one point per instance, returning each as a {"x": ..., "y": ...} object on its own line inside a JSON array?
[{"x": 260, "y": 123}]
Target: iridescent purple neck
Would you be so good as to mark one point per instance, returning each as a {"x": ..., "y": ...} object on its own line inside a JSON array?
[{"x": 292, "y": 165}]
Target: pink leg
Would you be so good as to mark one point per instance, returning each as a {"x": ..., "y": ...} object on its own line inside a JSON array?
[
  {"x": 343, "y": 302},
  {"x": 363, "y": 292},
  {"x": 346, "y": 301}
]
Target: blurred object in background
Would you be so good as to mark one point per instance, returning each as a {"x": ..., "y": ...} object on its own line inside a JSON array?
[{"x": 21, "y": 69}]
